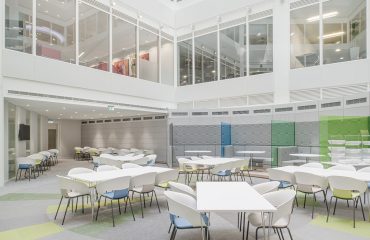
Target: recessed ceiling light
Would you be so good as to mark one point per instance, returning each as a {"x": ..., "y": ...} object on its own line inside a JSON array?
[
  {"x": 94, "y": 110},
  {"x": 71, "y": 117},
  {"x": 27, "y": 105},
  {"x": 338, "y": 50},
  {"x": 341, "y": 58},
  {"x": 60, "y": 114},
  {"x": 118, "y": 112},
  {"x": 58, "y": 118},
  {"x": 85, "y": 115},
  {"x": 76, "y": 112},
  {"x": 47, "y": 110},
  {"x": 64, "y": 108}
]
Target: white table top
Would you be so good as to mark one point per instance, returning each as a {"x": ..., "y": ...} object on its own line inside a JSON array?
[
  {"x": 306, "y": 155},
  {"x": 230, "y": 197},
  {"x": 197, "y": 151},
  {"x": 251, "y": 152},
  {"x": 326, "y": 172},
  {"x": 212, "y": 161},
  {"x": 94, "y": 177}
]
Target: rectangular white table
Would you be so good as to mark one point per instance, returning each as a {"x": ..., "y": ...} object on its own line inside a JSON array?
[
  {"x": 212, "y": 161},
  {"x": 233, "y": 197},
  {"x": 95, "y": 177},
  {"x": 307, "y": 156}
]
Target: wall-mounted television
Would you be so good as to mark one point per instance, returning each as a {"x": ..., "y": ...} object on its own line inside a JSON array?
[{"x": 24, "y": 132}]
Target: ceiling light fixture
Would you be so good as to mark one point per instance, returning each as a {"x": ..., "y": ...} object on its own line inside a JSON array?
[
  {"x": 46, "y": 110},
  {"x": 338, "y": 50},
  {"x": 331, "y": 35},
  {"x": 324, "y": 16},
  {"x": 81, "y": 54}
]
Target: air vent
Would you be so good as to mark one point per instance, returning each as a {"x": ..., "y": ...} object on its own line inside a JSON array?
[
  {"x": 241, "y": 112},
  {"x": 108, "y": 121},
  {"x": 99, "y": 121},
  {"x": 136, "y": 119},
  {"x": 220, "y": 113},
  {"x": 306, "y": 107},
  {"x": 305, "y": 95},
  {"x": 259, "y": 15},
  {"x": 349, "y": 90},
  {"x": 330, "y": 104},
  {"x": 123, "y": 16},
  {"x": 116, "y": 120},
  {"x": 199, "y": 113},
  {"x": 356, "y": 101},
  {"x": 179, "y": 114},
  {"x": 149, "y": 28},
  {"x": 147, "y": 118},
  {"x": 285, "y": 109},
  {"x": 97, "y": 4},
  {"x": 84, "y": 122},
  {"x": 91, "y": 121},
  {"x": 262, "y": 111},
  {"x": 184, "y": 37},
  {"x": 160, "y": 117},
  {"x": 126, "y": 120},
  {"x": 302, "y": 3}
]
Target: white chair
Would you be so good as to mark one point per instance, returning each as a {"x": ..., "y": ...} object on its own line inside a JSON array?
[
  {"x": 144, "y": 184},
  {"x": 130, "y": 165},
  {"x": 349, "y": 189},
  {"x": 141, "y": 161},
  {"x": 365, "y": 170},
  {"x": 309, "y": 183},
  {"x": 185, "y": 169},
  {"x": 287, "y": 180},
  {"x": 246, "y": 168},
  {"x": 236, "y": 170},
  {"x": 221, "y": 171},
  {"x": 313, "y": 165},
  {"x": 184, "y": 214},
  {"x": 114, "y": 189},
  {"x": 343, "y": 167},
  {"x": 182, "y": 188},
  {"x": 263, "y": 188},
  {"x": 79, "y": 170},
  {"x": 162, "y": 179},
  {"x": 106, "y": 168},
  {"x": 27, "y": 165},
  {"x": 70, "y": 190},
  {"x": 41, "y": 162},
  {"x": 283, "y": 201},
  {"x": 151, "y": 159}
]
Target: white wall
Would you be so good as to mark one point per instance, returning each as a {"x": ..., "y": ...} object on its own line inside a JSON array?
[
  {"x": 68, "y": 137},
  {"x": 43, "y": 133},
  {"x": 34, "y": 132}
]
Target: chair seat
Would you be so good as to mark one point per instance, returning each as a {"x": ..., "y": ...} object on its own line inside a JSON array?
[
  {"x": 75, "y": 194},
  {"x": 182, "y": 223},
  {"x": 24, "y": 166},
  {"x": 284, "y": 184},
  {"x": 118, "y": 194},
  {"x": 309, "y": 189},
  {"x": 164, "y": 185},
  {"x": 256, "y": 220},
  {"x": 345, "y": 194},
  {"x": 223, "y": 173},
  {"x": 142, "y": 190}
]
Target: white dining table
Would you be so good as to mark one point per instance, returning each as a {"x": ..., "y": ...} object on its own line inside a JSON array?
[
  {"x": 234, "y": 197},
  {"x": 211, "y": 162},
  {"x": 95, "y": 177},
  {"x": 307, "y": 156}
]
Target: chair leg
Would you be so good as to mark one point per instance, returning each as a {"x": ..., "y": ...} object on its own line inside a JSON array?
[
  {"x": 173, "y": 235},
  {"x": 326, "y": 201},
  {"x": 119, "y": 207},
  {"x": 281, "y": 233},
  {"x": 278, "y": 233},
  {"x": 335, "y": 205},
  {"x": 327, "y": 216},
  {"x": 313, "y": 205},
  {"x": 354, "y": 213},
  {"x": 156, "y": 199},
  {"x": 362, "y": 209},
  {"x": 76, "y": 204},
  {"x": 257, "y": 232},
  {"x": 60, "y": 202},
  {"x": 151, "y": 200},
  {"x": 83, "y": 204},
  {"x": 169, "y": 230},
  {"x": 132, "y": 212},
  {"x": 97, "y": 212},
  {"x": 141, "y": 206},
  {"x": 111, "y": 205},
  {"x": 304, "y": 203},
  {"x": 65, "y": 212},
  {"x": 247, "y": 230},
  {"x": 290, "y": 234}
]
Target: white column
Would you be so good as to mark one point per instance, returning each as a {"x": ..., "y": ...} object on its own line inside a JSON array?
[
  {"x": 247, "y": 42},
  {"x": 321, "y": 30},
  {"x": 34, "y": 36},
  {"x": 77, "y": 33},
  {"x": 176, "y": 62},
  {"x": 3, "y": 137},
  {"x": 281, "y": 50},
  {"x": 137, "y": 47},
  {"x": 193, "y": 56},
  {"x": 218, "y": 51},
  {"x": 367, "y": 30},
  {"x": 110, "y": 39},
  {"x": 159, "y": 56}
]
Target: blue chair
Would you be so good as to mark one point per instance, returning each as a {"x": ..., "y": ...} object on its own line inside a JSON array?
[
  {"x": 222, "y": 171},
  {"x": 115, "y": 189},
  {"x": 27, "y": 165}
]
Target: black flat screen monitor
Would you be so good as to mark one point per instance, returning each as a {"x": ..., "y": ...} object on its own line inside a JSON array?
[{"x": 24, "y": 132}]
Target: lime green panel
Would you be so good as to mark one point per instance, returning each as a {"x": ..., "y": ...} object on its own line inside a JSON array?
[{"x": 31, "y": 232}]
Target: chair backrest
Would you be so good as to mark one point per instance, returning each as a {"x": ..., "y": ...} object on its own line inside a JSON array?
[
  {"x": 266, "y": 187},
  {"x": 305, "y": 181},
  {"x": 130, "y": 165},
  {"x": 37, "y": 157},
  {"x": 345, "y": 185},
  {"x": 120, "y": 186},
  {"x": 222, "y": 167},
  {"x": 164, "y": 177},
  {"x": 283, "y": 201},
  {"x": 141, "y": 161},
  {"x": 78, "y": 149},
  {"x": 364, "y": 170},
  {"x": 79, "y": 170},
  {"x": 105, "y": 168},
  {"x": 181, "y": 162},
  {"x": 25, "y": 160},
  {"x": 193, "y": 158},
  {"x": 151, "y": 159},
  {"x": 68, "y": 185},
  {"x": 93, "y": 151},
  {"x": 313, "y": 165},
  {"x": 146, "y": 181},
  {"x": 343, "y": 168},
  {"x": 184, "y": 206},
  {"x": 182, "y": 188},
  {"x": 279, "y": 175}
]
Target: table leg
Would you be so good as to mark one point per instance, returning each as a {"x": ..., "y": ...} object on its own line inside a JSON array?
[
  {"x": 243, "y": 218},
  {"x": 270, "y": 225},
  {"x": 251, "y": 161},
  {"x": 263, "y": 225},
  {"x": 368, "y": 202},
  {"x": 92, "y": 201},
  {"x": 201, "y": 226}
]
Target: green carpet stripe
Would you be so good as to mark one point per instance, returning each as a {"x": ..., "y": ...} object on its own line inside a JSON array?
[
  {"x": 28, "y": 196},
  {"x": 344, "y": 225},
  {"x": 31, "y": 232}
]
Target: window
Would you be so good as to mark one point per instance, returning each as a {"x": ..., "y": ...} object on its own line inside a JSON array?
[
  {"x": 11, "y": 140},
  {"x": 233, "y": 52},
  {"x": 305, "y": 37},
  {"x": 123, "y": 47},
  {"x": 148, "y": 55},
  {"x": 18, "y": 25},
  {"x": 344, "y": 30},
  {"x": 185, "y": 62},
  {"x": 167, "y": 63},
  {"x": 55, "y": 30},
  {"x": 260, "y": 46},
  {"x": 206, "y": 58},
  {"x": 94, "y": 37}
]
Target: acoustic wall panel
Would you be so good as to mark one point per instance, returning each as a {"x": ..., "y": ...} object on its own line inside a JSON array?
[
  {"x": 197, "y": 135},
  {"x": 251, "y": 134},
  {"x": 307, "y": 134}
]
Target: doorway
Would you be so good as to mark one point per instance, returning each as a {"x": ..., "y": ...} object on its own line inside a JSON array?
[{"x": 52, "y": 138}]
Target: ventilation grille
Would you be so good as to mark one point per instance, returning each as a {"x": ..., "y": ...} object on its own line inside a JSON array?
[
  {"x": 302, "y": 3},
  {"x": 126, "y": 119},
  {"x": 305, "y": 95},
  {"x": 235, "y": 22},
  {"x": 147, "y": 118},
  {"x": 306, "y": 107},
  {"x": 356, "y": 101},
  {"x": 331, "y": 104},
  {"x": 337, "y": 92},
  {"x": 123, "y": 16},
  {"x": 220, "y": 113},
  {"x": 284, "y": 109},
  {"x": 241, "y": 112},
  {"x": 99, "y": 121},
  {"x": 136, "y": 119},
  {"x": 179, "y": 114},
  {"x": 257, "y": 111},
  {"x": 261, "y": 99},
  {"x": 83, "y": 122},
  {"x": 205, "y": 31},
  {"x": 199, "y": 113},
  {"x": 159, "y": 117},
  {"x": 78, "y": 99},
  {"x": 184, "y": 37},
  {"x": 116, "y": 120},
  {"x": 91, "y": 121},
  {"x": 149, "y": 28},
  {"x": 259, "y": 15},
  {"x": 97, "y": 4}
]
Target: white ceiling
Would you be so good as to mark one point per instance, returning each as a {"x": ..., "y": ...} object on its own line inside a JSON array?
[
  {"x": 55, "y": 110},
  {"x": 178, "y": 4}
]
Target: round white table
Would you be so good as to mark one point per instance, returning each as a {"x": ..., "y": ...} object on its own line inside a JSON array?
[
  {"x": 306, "y": 155},
  {"x": 251, "y": 153},
  {"x": 198, "y": 152}
]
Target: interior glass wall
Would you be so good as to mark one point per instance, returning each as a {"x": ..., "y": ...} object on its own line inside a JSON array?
[
  {"x": 94, "y": 37},
  {"x": 11, "y": 140},
  {"x": 167, "y": 62},
  {"x": 55, "y": 31},
  {"x": 206, "y": 58},
  {"x": 260, "y": 46},
  {"x": 148, "y": 55},
  {"x": 185, "y": 62},
  {"x": 305, "y": 37},
  {"x": 344, "y": 30},
  {"x": 233, "y": 52},
  {"x": 123, "y": 47},
  {"x": 18, "y": 25}
]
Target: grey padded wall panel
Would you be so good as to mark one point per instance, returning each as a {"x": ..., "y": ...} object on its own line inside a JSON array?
[
  {"x": 197, "y": 135},
  {"x": 251, "y": 134},
  {"x": 307, "y": 133}
]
